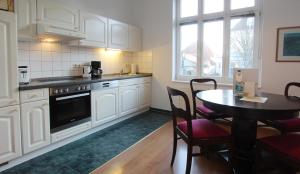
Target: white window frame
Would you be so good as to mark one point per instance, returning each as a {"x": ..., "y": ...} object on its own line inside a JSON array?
[{"x": 226, "y": 15}]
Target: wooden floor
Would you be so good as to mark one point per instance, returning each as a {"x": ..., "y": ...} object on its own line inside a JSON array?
[{"x": 152, "y": 155}]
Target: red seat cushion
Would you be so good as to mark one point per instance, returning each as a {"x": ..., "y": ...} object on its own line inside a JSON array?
[
  {"x": 204, "y": 109},
  {"x": 288, "y": 144},
  {"x": 203, "y": 129},
  {"x": 290, "y": 124}
]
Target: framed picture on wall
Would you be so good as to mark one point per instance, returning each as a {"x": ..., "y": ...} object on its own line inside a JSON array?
[
  {"x": 7, "y": 5},
  {"x": 288, "y": 44},
  {"x": 4, "y": 5}
]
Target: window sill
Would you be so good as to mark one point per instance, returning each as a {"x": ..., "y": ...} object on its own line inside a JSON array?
[
  {"x": 208, "y": 84},
  {"x": 219, "y": 84}
]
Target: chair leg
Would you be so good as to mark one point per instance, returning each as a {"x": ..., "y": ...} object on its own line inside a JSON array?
[
  {"x": 189, "y": 159},
  {"x": 174, "y": 148}
]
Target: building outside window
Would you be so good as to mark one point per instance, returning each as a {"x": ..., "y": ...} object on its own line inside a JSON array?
[{"x": 215, "y": 36}]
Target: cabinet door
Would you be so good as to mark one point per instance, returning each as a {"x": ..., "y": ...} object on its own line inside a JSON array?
[
  {"x": 57, "y": 15},
  {"x": 144, "y": 95},
  {"x": 10, "y": 133},
  {"x": 128, "y": 100},
  {"x": 35, "y": 125},
  {"x": 104, "y": 106},
  {"x": 135, "y": 39},
  {"x": 118, "y": 34},
  {"x": 95, "y": 28},
  {"x": 9, "y": 93},
  {"x": 26, "y": 19}
]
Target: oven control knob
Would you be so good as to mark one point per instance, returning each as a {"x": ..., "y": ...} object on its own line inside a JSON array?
[
  {"x": 78, "y": 88},
  {"x": 61, "y": 91},
  {"x": 55, "y": 91},
  {"x": 83, "y": 87},
  {"x": 67, "y": 90}
]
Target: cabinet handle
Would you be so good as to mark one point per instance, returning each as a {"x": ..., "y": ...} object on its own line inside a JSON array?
[
  {"x": 45, "y": 104},
  {"x": 12, "y": 102},
  {"x": 12, "y": 111},
  {"x": 32, "y": 96}
]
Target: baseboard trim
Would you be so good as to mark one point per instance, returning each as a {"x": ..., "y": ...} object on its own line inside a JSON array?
[{"x": 160, "y": 111}]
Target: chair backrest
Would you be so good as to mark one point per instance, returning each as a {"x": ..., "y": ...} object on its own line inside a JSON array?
[
  {"x": 287, "y": 87},
  {"x": 194, "y": 91},
  {"x": 179, "y": 112}
]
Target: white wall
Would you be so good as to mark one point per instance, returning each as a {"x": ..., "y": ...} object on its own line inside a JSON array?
[
  {"x": 115, "y": 9},
  {"x": 278, "y": 13},
  {"x": 155, "y": 17}
]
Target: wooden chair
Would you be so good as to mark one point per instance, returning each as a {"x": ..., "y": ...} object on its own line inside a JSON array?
[
  {"x": 200, "y": 109},
  {"x": 284, "y": 147},
  {"x": 198, "y": 132},
  {"x": 289, "y": 125}
]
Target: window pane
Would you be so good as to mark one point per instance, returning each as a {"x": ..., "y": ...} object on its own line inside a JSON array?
[
  {"x": 213, "y": 6},
  {"x": 188, "y": 8},
  {"x": 241, "y": 43},
  {"x": 212, "y": 48},
  {"x": 236, "y": 4},
  {"x": 188, "y": 49}
]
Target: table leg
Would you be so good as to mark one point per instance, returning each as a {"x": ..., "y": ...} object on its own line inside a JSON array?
[{"x": 244, "y": 138}]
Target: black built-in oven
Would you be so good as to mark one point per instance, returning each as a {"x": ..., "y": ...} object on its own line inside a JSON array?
[{"x": 69, "y": 106}]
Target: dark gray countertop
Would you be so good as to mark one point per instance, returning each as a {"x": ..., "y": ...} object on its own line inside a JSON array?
[{"x": 56, "y": 82}]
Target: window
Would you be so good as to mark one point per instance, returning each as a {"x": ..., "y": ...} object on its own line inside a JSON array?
[{"x": 215, "y": 36}]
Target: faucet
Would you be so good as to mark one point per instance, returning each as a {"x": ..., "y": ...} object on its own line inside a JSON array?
[{"x": 121, "y": 72}]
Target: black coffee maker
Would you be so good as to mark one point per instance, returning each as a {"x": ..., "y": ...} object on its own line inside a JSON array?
[{"x": 96, "y": 71}]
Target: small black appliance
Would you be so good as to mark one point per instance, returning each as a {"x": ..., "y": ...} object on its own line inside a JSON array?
[{"x": 96, "y": 71}]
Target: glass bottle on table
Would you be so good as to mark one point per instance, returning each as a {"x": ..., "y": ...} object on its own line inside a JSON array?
[{"x": 239, "y": 85}]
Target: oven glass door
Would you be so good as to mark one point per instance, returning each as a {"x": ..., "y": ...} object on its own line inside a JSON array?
[{"x": 69, "y": 108}]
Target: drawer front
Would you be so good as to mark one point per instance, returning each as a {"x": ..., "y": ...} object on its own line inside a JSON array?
[
  {"x": 34, "y": 95},
  {"x": 58, "y": 136},
  {"x": 145, "y": 80},
  {"x": 135, "y": 81},
  {"x": 129, "y": 82}
]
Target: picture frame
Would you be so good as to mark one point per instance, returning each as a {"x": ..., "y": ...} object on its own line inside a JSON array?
[
  {"x": 288, "y": 44},
  {"x": 7, "y": 5},
  {"x": 4, "y": 5}
]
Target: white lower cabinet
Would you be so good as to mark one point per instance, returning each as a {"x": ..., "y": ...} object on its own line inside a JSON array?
[
  {"x": 144, "y": 95},
  {"x": 104, "y": 106},
  {"x": 35, "y": 125},
  {"x": 10, "y": 133},
  {"x": 128, "y": 99}
]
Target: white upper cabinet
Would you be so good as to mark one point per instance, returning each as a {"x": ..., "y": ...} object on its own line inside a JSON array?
[
  {"x": 26, "y": 19},
  {"x": 9, "y": 93},
  {"x": 10, "y": 133},
  {"x": 95, "y": 29},
  {"x": 118, "y": 35},
  {"x": 104, "y": 106},
  {"x": 135, "y": 39},
  {"x": 58, "y": 15},
  {"x": 35, "y": 125}
]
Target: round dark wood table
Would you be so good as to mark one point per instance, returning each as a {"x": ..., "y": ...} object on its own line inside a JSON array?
[{"x": 245, "y": 116}]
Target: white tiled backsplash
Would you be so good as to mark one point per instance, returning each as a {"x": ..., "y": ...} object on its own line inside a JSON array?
[
  {"x": 57, "y": 59},
  {"x": 143, "y": 61}
]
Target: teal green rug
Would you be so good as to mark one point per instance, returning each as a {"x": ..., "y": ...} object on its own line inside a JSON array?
[{"x": 87, "y": 154}]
